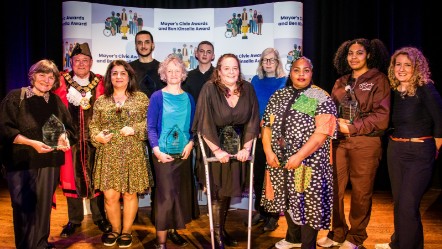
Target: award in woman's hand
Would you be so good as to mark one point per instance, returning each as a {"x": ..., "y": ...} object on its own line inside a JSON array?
[
  {"x": 230, "y": 140},
  {"x": 54, "y": 133},
  {"x": 175, "y": 142},
  {"x": 349, "y": 108}
]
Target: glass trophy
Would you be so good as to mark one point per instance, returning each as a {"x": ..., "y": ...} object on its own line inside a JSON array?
[
  {"x": 349, "y": 108},
  {"x": 175, "y": 142},
  {"x": 53, "y": 129},
  {"x": 230, "y": 140}
]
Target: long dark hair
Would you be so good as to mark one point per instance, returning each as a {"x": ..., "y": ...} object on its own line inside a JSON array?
[
  {"x": 132, "y": 86},
  {"x": 216, "y": 79}
]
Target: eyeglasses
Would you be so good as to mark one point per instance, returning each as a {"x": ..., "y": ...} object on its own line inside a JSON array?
[{"x": 269, "y": 61}]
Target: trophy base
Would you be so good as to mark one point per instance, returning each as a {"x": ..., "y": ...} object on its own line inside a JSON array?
[
  {"x": 176, "y": 156},
  {"x": 245, "y": 37}
]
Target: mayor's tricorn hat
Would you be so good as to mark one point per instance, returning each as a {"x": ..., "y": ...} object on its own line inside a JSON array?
[{"x": 81, "y": 49}]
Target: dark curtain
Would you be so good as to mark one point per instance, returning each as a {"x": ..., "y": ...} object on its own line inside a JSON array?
[{"x": 33, "y": 31}]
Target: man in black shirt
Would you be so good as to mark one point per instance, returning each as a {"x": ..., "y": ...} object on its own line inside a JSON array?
[
  {"x": 196, "y": 78},
  {"x": 146, "y": 67}
]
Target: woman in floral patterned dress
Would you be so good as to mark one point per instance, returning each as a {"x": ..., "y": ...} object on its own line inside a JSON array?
[{"x": 118, "y": 130}]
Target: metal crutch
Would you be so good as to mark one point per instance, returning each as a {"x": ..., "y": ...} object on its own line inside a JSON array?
[
  {"x": 209, "y": 194},
  {"x": 249, "y": 225},
  {"x": 209, "y": 200}
]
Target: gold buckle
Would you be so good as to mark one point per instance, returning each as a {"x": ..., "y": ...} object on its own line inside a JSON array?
[{"x": 416, "y": 140}]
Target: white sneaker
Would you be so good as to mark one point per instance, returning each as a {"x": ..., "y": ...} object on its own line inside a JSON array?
[
  {"x": 284, "y": 244},
  {"x": 326, "y": 242},
  {"x": 382, "y": 246},
  {"x": 348, "y": 245}
]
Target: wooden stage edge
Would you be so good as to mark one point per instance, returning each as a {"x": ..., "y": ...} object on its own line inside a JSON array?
[{"x": 198, "y": 235}]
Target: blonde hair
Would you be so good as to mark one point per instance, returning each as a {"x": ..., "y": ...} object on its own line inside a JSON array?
[
  {"x": 279, "y": 72},
  {"x": 421, "y": 70}
]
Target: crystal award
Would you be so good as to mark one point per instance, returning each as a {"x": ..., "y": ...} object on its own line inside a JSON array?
[
  {"x": 53, "y": 129},
  {"x": 349, "y": 109},
  {"x": 230, "y": 140},
  {"x": 175, "y": 142}
]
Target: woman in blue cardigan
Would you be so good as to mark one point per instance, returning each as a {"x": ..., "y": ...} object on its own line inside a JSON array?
[{"x": 170, "y": 116}]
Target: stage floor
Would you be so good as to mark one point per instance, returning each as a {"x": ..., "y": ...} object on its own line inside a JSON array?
[{"x": 198, "y": 235}]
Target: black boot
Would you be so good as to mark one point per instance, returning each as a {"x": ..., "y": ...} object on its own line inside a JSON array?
[
  {"x": 228, "y": 240},
  {"x": 217, "y": 221}
]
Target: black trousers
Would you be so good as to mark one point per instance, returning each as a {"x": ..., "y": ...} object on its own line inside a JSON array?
[
  {"x": 31, "y": 194},
  {"x": 76, "y": 211},
  {"x": 300, "y": 234},
  {"x": 259, "y": 168},
  {"x": 410, "y": 167}
]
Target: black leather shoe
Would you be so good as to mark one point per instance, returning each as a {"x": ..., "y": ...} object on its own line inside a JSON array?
[
  {"x": 228, "y": 240},
  {"x": 104, "y": 226},
  {"x": 271, "y": 225},
  {"x": 176, "y": 238},
  {"x": 69, "y": 229},
  {"x": 256, "y": 219}
]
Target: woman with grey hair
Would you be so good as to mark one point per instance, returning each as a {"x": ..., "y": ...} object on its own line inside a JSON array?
[
  {"x": 170, "y": 117},
  {"x": 33, "y": 162}
]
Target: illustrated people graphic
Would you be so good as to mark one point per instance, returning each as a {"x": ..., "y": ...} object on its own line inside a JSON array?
[
  {"x": 185, "y": 55},
  {"x": 135, "y": 23},
  {"x": 131, "y": 23},
  {"x": 251, "y": 21},
  {"x": 118, "y": 23},
  {"x": 234, "y": 24},
  {"x": 260, "y": 21},
  {"x": 123, "y": 17},
  {"x": 192, "y": 57},
  {"x": 244, "y": 17},
  {"x": 140, "y": 22},
  {"x": 238, "y": 23}
]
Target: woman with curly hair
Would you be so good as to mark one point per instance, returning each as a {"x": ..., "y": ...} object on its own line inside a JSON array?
[
  {"x": 414, "y": 144},
  {"x": 362, "y": 96},
  {"x": 170, "y": 118},
  {"x": 227, "y": 104}
]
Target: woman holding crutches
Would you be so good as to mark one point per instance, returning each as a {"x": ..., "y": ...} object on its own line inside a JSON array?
[{"x": 227, "y": 117}]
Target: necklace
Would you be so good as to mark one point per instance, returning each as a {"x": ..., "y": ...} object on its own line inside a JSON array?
[
  {"x": 119, "y": 99},
  {"x": 402, "y": 91},
  {"x": 83, "y": 90}
]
